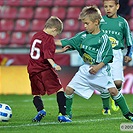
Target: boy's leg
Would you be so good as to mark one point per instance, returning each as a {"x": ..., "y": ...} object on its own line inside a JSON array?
[
  {"x": 37, "y": 101},
  {"x": 114, "y": 105},
  {"x": 121, "y": 102},
  {"x": 69, "y": 94},
  {"x": 61, "y": 100},
  {"x": 105, "y": 100},
  {"x": 69, "y": 101}
]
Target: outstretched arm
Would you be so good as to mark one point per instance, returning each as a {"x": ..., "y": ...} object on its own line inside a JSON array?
[
  {"x": 64, "y": 49},
  {"x": 58, "y": 42}
]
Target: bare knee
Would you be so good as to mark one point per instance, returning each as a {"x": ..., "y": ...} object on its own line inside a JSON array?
[
  {"x": 69, "y": 90},
  {"x": 118, "y": 83},
  {"x": 113, "y": 91}
]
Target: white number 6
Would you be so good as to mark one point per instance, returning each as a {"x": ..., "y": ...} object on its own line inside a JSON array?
[{"x": 34, "y": 49}]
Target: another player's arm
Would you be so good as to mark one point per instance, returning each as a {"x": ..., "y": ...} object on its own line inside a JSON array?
[
  {"x": 58, "y": 42},
  {"x": 129, "y": 42},
  {"x": 64, "y": 49},
  {"x": 71, "y": 42},
  {"x": 128, "y": 56},
  {"x": 54, "y": 65}
]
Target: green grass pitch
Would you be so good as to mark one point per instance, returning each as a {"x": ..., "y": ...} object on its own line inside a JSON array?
[{"x": 87, "y": 116}]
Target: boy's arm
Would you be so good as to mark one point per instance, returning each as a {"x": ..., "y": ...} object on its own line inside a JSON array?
[
  {"x": 73, "y": 42},
  {"x": 131, "y": 52},
  {"x": 105, "y": 53},
  {"x": 94, "y": 69},
  {"x": 63, "y": 42},
  {"x": 58, "y": 42},
  {"x": 54, "y": 65},
  {"x": 128, "y": 39},
  {"x": 128, "y": 56},
  {"x": 64, "y": 49}
]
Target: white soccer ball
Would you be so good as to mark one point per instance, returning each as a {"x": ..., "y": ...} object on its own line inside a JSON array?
[{"x": 5, "y": 112}]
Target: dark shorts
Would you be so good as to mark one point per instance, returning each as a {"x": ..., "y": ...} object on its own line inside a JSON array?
[{"x": 46, "y": 82}]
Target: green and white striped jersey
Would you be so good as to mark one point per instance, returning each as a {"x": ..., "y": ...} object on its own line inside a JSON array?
[
  {"x": 92, "y": 48},
  {"x": 118, "y": 31}
]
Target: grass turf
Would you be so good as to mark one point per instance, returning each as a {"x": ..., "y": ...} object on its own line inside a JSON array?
[{"x": 87, "y": 116}]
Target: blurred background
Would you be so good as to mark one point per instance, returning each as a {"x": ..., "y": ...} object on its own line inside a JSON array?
[{"x": 20, "y": 19}]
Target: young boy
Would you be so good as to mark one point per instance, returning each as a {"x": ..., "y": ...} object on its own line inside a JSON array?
[
  {"x": 116, "y": 27},
  {"x": 42, "y": 69},
  {"x": 95, "y": 48}
]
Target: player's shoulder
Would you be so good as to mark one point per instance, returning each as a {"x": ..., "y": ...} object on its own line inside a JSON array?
[
  {"x": 104, "y": 18},
  {"x": 39, "y": 33},
  {"x": 42, "y": 35},
  {"x": 82, "y": 34},
  {"x": 103, "y": 35},
  {"x": 122, "y": 19}
]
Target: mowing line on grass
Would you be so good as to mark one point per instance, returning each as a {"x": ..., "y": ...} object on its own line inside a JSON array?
[
  {"x": 53, "y": 123},
  {"x": 26, "y": 101}
]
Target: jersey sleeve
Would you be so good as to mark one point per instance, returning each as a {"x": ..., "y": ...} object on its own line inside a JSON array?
[
  {"x": 131, "y": 52},
  {"x": 127, "y": 34},
  {"x": 105, "y": 52},
  {"x": 74, "y": 42}
]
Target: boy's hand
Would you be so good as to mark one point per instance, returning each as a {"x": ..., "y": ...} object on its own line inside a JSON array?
[
  {"x": 94, "y": 69},
  {"x": 57, "y": 67},
  {"x": 66, "y": 48},
  {"x": 127, "y": 59}
]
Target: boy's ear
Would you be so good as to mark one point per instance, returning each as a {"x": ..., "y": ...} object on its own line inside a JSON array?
[
  {"x": 54, "y": 29},
  {"x": 96, "y": 22},
  {"x": 118, "y": 6}
]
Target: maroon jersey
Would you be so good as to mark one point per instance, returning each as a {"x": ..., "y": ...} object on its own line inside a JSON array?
[{"x": 42, "y": 48}]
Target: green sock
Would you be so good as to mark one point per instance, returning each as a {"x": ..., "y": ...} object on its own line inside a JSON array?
[
  {"x": 69, "y": 101},
  {"x": 105, "y": 100},
  {"x": 69, "y": 106},
  {"x": 118, "y": 90},
  {"x": 121, "y": 102}
]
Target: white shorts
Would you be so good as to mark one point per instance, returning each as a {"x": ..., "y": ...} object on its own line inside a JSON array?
[
  {"x": 117, "y": 65},
  {"x": 85, "y": 83}
]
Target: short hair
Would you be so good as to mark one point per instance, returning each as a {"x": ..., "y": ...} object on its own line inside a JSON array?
[
  {"x": 116, "y": 1},
  {"x": 91, "y": 12},
  {"x": 54, "y": 22}
]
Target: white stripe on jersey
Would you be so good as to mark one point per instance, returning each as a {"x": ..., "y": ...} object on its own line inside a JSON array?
[{"x": 102, "y": 48}]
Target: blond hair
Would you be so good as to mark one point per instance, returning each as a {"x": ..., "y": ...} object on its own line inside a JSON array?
[
  {"x": 116, "y": 1},
  {"x": 91, "y": 12},
  {"x": 54, "y": 22}
]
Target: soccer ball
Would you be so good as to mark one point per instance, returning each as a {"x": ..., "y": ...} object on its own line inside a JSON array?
[{"x": 5, "y": 112}]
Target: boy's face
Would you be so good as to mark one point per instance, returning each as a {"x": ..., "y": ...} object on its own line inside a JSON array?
[
  {"x": 89, "y": 25},
  {"x": 111, "y": 8},
  {"x": 54, "y": 32}
]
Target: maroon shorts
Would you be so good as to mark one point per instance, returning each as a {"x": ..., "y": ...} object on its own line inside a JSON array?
[{"x": 46, "y": 82}]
